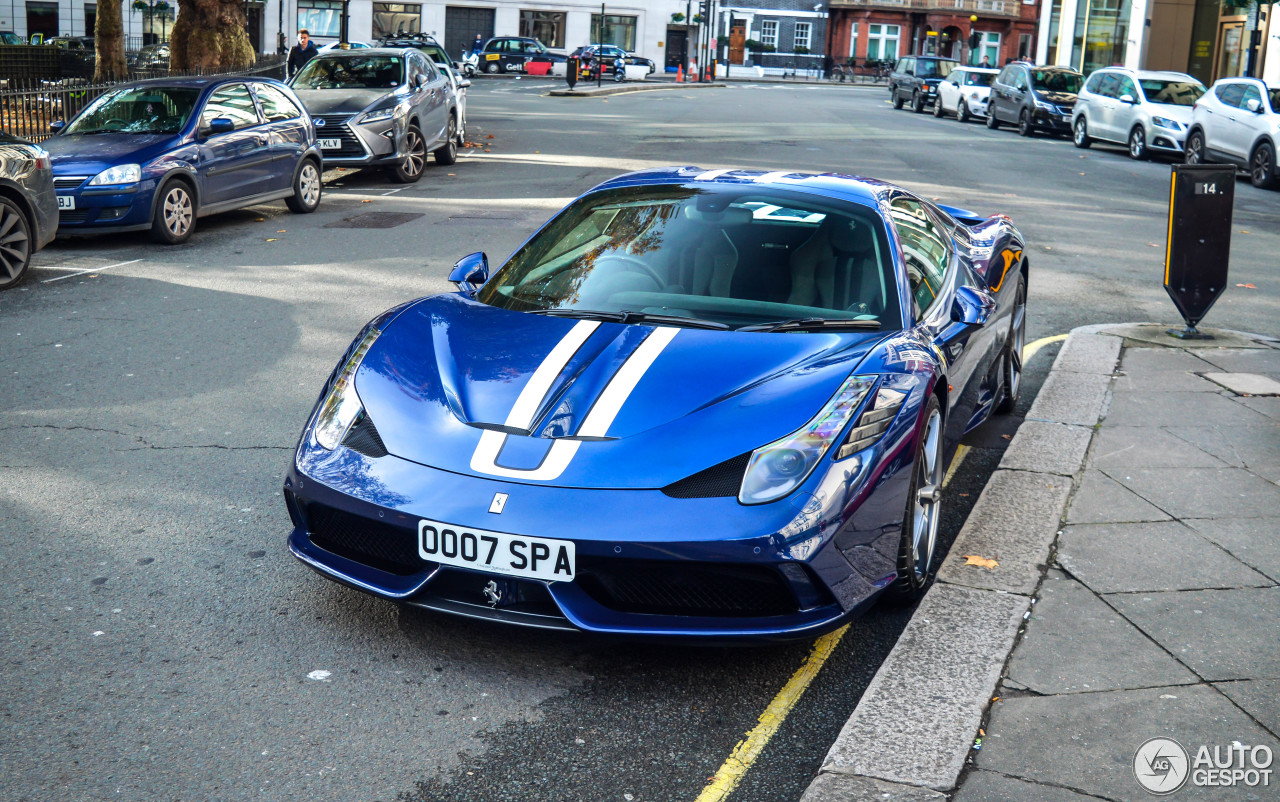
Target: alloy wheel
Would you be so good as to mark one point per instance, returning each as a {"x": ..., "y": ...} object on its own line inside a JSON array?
[
  {"x": 928, "y": 507},
  {"x": 1080, "y": 133},
  {"x": 1017, "y": 342},
  {"x": 416, "y": 153},
  {"x": 1262, "y": 166},
  {"x": 309, "y": 183},
  {"x": 1195, "y": 148},
  {"x": 1137, "y": 143},
  {"x": 1024, "y": 123},
  {"x": 177, "y": 211},
  {"x": 15, "y": 245}
]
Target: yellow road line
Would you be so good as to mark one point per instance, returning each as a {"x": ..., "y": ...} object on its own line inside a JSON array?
[
  {"x": 1030, "y": 349},
  {"x": 749, "y": 748}
]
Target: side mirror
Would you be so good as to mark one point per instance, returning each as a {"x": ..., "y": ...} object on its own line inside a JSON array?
[
  {"x": 1127, "y": 99},
  {"x": 57, "y": 125},
  {"x": 463, "y": 83},
  {"x": 221, "y": 125},
  {"x": 419, "y": 81},
  {"x": 1254, "y": 105},
  {"x": 470, "y": 272},
  {"x": 972, "y": 307}
]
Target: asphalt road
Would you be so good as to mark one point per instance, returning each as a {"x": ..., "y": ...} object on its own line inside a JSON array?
[{"x": 160, "y": 643}]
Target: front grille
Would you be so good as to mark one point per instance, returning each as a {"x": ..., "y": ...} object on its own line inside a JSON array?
[
  {"x": 718, "y": 481},
  {"x": 373, "y": 543},
  {"x": 1065, "y": 111},
  {"x": 694, "y": 589},
  {"x": 336, "y": 127},
  {"x": 69, "y": 181},
  {"x": 72, "y": 216},
  {"x": 363, "y": 437}
]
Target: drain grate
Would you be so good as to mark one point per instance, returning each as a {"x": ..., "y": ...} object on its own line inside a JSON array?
[{"x": 375, "y": 220}]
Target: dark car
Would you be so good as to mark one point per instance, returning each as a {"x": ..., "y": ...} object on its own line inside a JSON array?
[
  {"x": 158, "y": 154},
  {"x": 611, "y": 52},
  {"x": 915, "y": 80},
  {"x": 510, "y": 53},
  {"x": 1035, "y": 98},
  {"x": 152, "y": 57},
  {"x": 78, "y": 54},
  {"x": 381, "y": 107},
  {"x": 28, "y": 206},
  {"x": 421, "y": 41}
]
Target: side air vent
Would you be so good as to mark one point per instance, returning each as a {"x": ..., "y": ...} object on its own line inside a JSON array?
[
  {"x": 718, "y": 481},
  {"x": 363, "y": 437}
]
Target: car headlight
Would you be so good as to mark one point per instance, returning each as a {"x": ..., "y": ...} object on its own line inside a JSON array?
[
  {"x": 1165, "y": 122},
  {"x": 973, "y": 96},
  {"x": 780, "y": 467},
  {"x": 342, "y": 405},
  {"x": 1040, "y": 104},
  {"x": 377, "y": 115},
  {"x": 120, "y": 174}
]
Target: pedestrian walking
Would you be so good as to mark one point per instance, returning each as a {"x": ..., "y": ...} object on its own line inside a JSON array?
[{"x": 301, "y": 53}]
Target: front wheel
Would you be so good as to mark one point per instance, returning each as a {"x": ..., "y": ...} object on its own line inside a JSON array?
[
  {"x": 962, "y": 112},
  {"x": 937, "y": 106},
  {"x": 1262, "y": 167},
  {"x": 919, "y": 538},
  {"x": 992, "y": 122},
  {"x": 306, "y": 190},
  {"x": 415, "y": 159},
  {"x": 1025, "y": 128},
  {"x": 15, "y": 244},
  {"x": 1195, "y": 148},
  {"x": 1137, "y": 143},
  {"x": 1080, "y": 133},
  {"x": 492, "y": 68},
  {"x": 897, "y": 99},
  {"x": 917, "y": 103},
  {"x": 174, "y": 219},
  {"x": 1012, "y": 367},
  {"x": 447, "y": 153}
]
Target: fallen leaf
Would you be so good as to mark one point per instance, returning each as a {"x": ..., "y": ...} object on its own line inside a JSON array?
[
  {"x": 995, "y": 698},
  {"x": 981, "y": 562},
  {"x": 271, "y": 239},
  {"x": 982, "y": 732},
  {"x": 1247, "y": 286},
  {"x": 366, "y": 201},
  {"x": 281, "y": 231},
  {"x": 490, "y": 136},
  {"x": 1244, "y": 232},
  {"x": 260, "y": 219},
  {"x": 1007, "y": 436},
  {"x": 1082, "y": 174}
]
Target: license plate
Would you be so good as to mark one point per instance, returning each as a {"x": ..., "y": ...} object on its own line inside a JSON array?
[
  {"x": 330, "y": 144},
  {"x": 66, "y": 201},
  {"x": 496, "y": 552}
]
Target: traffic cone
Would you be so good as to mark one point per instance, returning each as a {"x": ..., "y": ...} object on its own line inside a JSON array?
[{"x": 680, "y": 74}]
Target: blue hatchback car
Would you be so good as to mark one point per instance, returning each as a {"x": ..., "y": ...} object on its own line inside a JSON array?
[{"x": 158, "y": 154}]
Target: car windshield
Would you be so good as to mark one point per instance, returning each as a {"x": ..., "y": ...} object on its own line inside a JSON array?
[
  {"x": 1056, "y": 80},
  {"x": 724, "y": 256},
  {"x": 1172, "y": 93},
  {"x": 978, "y": 78},
  {"x": 1274, "y": 95},
  {"x": 11, "y": 38},
  {"x": 351, "y": 72},
  {"x": 928, "y": 68},
  {"x": 137, "y": 110}
]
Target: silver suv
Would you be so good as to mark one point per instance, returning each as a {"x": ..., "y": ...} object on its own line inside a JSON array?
[
  {"x": 1148, "y": 111},
  {"x": 1238, "y": 122}
]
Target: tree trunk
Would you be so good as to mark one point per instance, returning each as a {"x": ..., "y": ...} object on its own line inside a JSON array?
[
  {"x": 108, "y": 43},
  {"x": 210, "y": 36}
]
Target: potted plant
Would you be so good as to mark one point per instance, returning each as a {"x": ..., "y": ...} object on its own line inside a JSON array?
[
  {"x": 723, "y": 41},
  {"x": 677, "y": 17},
  {"x": 802, "y": 51},
  {"x": 160, "y": 7},
  {"x": 139, "y": 5}
]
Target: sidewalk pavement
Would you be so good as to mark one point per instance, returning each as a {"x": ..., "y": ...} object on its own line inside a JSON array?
[{"x": 1151, "y": 608}]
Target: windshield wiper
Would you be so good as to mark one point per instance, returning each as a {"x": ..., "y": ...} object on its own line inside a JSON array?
[
  {"x": 627, "y": 316},
  {"x": 807, "y": 323}
]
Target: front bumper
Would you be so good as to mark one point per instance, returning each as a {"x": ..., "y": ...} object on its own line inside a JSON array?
[
  {"x": 1052, "y": 121},
  {"x": 1166, "y": 140},
  {"x": 361, "y": 144},
  {"x": 116, "y": 208}
]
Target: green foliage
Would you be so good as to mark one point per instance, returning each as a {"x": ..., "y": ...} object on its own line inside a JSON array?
[
  {"x": 677, "y": 17},
  {"x": 800, "y": 51}
]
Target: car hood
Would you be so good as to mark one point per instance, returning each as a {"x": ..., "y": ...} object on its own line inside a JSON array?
[
  {"x": 1057, "y": 98},
  {"x": 1181, "y": 114},
  {"x": 339, "y": 101},
  {"x": 90, "y": 154},
  {"x": 449, "y": 371}
]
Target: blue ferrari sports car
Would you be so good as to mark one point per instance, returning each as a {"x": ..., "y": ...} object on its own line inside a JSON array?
[{"x": 694, "y": 403}]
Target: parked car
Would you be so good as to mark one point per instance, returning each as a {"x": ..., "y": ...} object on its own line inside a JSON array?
[
  {"x": 646, "y": 423},
  {"x": 78, "y": 54},
  {"x": 460, "y": 86},
  {"x": 28, "y": 206},
  {"x": 424, "y": 42},
  {"x": 1238, "y": 122},
  {"x": 159, "y": 154},
  {"x": 509, "y": 54},
  {"x": 611, "y": 52},
  {"x": 383, "y": 107},
  {"x": 153, "y": 57},
  {"x": 1146, "y": 110},
  {"x": 915, "y": 80},
  {"x": 1035, "y": 98},
  {"x": 964, "y": 93},
  {"x": 11, "y": 38}
]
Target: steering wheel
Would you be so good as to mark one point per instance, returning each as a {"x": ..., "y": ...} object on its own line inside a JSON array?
[
  {"x": 123, "y": 123},
  {"x": 631, "y": 261}
]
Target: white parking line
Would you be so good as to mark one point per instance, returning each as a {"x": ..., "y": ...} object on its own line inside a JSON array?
[{"x": 82, "y": 272}]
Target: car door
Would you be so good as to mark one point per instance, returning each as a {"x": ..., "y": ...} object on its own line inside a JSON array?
[
  {"x": 432, "y": 98},
  {"x": 1225, "y": 134},
  {"x": 289, "y": 133},
  {"x": 1122, "y": 118},
  {"x": 949, "y": 90},
  {"x": 1021, "y": 96},
  {"x": 1102, "y": 104},
  {"x": 1245, "y": 124},
  {"x": 235, "y": 164},
  {"x": 1001, "y": 90}
]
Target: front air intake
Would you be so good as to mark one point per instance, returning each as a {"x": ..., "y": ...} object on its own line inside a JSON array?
[{"x": 718, "y": 481}]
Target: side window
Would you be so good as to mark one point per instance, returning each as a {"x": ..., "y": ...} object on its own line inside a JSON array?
[
  {"x": 415, "y": 69},
  {"x": 1020, "y": 80},
  {"x": 926, "y": 249},
  {"x": 1109, "y": 85},
  {"x": 902, "y": 65},
  {"x": 276, "y": 105},
  {"x": 1126, "y": 87},
  {"x": 233, "y": 102},
  {"x": 1094, "y": 83},
  {"x": 429, "y": 69},
  {"x": 1230, "y": 94},
  {"x": 1006, "y": 76},
  {"x": 1250, "y": 93}
]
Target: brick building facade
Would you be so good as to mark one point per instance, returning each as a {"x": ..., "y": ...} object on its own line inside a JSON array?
[{"x": 883, "y": 30}]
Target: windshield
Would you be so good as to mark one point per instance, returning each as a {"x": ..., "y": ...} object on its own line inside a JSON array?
[
  {"x": 978, "y": 78},
  {"x": 1274, "y": 96},
  {"x": 138, "y": 110},
  {"x": 729, "y": 255},
  {"x": 1056, "y": 81},
  {"x": 928, "y": 68},
  {"x": 351, "y": 72},
  {"x": 1172, "y": 93},
  {"x": 11, "y": 38}
]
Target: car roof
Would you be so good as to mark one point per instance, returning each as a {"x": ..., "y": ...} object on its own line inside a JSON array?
[
  {"x": 1239, "y": 79},
  {"x": 365, "y": 52},
  {"x": 864, "y": 191},
  {"x": 1046, "y": 67},
  {"x": 967, "y": 68},
  {"x": 932, "y": 58},
  {"x": 1156, "y": 75},
  {"x": 200, "y": 81}
]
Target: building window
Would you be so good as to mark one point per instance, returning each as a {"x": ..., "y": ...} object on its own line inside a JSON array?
[
  {"x": 545, "y": 26},
  {"x": 616, "y": 30},
  {"x": 90, "y": 18},
  {"x": 769, "y": 33},
  {"x": 1024, "y": 46},
  {"x": 320, "y": 17},
  {"x": 988, "y": 48},
  {"x": 882, "y": 42},
  {"x": 803, "y": 30},
  {"x": 42, "y": 18},
  {"x": 393, "y": 19},
  {"x": 853, "y": 40}
]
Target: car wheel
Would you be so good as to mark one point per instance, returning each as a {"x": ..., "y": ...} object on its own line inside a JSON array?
[
  {"x": 447, "y": 153},
  {"x": 415, "y": 159},
  {"x": 1195, "y": 148},
  {"x": 175, "y": 216},
  {"x": 492, "y": 68},
  {"x": 917, "y": 103},
  {"x": 1080, "y": 133},
  {"x": 1012, "y": 367},
  {"x": 962, "y": 111},
  {"x": 992, "y": 122},
  {"x": 897, "y": 99},
  {"x": 919, "y": 537},
  {"x": 1138, "y": 143},
  {"x": 15, "y": 244},
  {"x": 1262, "y": 167},
  {"x": 1025, "y": 128},
  {"x": 937, "y": 106},
  {"x": 306, "y": 189}
]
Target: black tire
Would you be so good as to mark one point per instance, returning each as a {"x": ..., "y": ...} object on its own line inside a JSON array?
[
  {"x": 1025, "y": 126},
  {"x": 307, "y": 188},
  {"x": 619, "y": 75},
  {"x": 1080, "y": 133},
  {"x": 1012, "y": 359},
  {"x": 447, "y": 153},
  {"x": 937, "y": 106},
  {"x": 1138, "y": 144},
  {"x": 917, "y": 103},
  {"x": 15, "y": 244},
  {"x": 174, "y": 219},
  {"x": 492, "y": 68},
  {"x": 992, "y": 122},
  {"x": 411, "y": 167},
  {"x": 1262, "y": 167},
  {"x": 962, "y": 112},
  {"x": 897, "y": 99},
  {"x": 1194, "y": 153},
  {"x": 915, "y": 570}
]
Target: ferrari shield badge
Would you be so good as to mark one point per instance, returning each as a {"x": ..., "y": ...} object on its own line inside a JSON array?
[{"x": 499, "y": 501}]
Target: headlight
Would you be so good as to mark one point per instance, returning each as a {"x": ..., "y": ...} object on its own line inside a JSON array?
[
  {"x": 1040, "y": 104},
  {"x": 397, "y": 111},
  {"x": 973, "y": 96},
  {"x": 780, "y": 467},
  {"x": 1165, "y": 122},
  {"x": 342, "y": 405},
  {"x": 120, "y": 174}
]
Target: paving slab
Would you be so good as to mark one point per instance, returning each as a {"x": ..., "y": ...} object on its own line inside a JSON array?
[
  {"x": 1204, "y": 492},
  {"x": 1219, "y": 634},
  {"x": 1266, "y": 405},
  {"x": 1087, "y": 741},
  {"x": 1070, "y": 398},
  {"x": 1146, "y": 334},
  {"x": 1138, "y": 361},
  {"x": 1156, "y": 556},
  {"x": 1101, "y": 499},
  {"x": 1163, "y": 381},
  {"x": 987, "y": 786},
  {"x": 1089, "y": 353},
  {"x": 1014, "y": 523},
  {"x": 1256, "y": 446},
  {"x": 1246, "y": 383},
  {"x": 1147, "y": 447},
  {"x": 1047, "y": 448},
  {"x": 843, "y": 788},
  {"x": 1258, "y": 698},
  {"x": 1174, "y": 409},
  {"x": 1250, "y": 361},
  {"x": 1051, "y": 656},
  {"x": 932, "y": 689},
  {"x": 1253, "y": 541}
]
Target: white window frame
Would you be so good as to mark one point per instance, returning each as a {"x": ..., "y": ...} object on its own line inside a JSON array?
[
  {"x": 769, "y": 32},
  {"x": 853, "y": 41},
  {"x": 990, "y": 47},
  {"x": 883, "y": 38},
  {"x": 802, "y": 41}
]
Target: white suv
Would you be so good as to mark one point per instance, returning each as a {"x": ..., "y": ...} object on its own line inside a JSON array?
[
  {"x": 1148, "y": 111},
  {"x": 1238, "y": 122}
]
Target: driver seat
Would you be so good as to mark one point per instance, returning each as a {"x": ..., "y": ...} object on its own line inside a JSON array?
[{"x": 836, "y": 268}]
